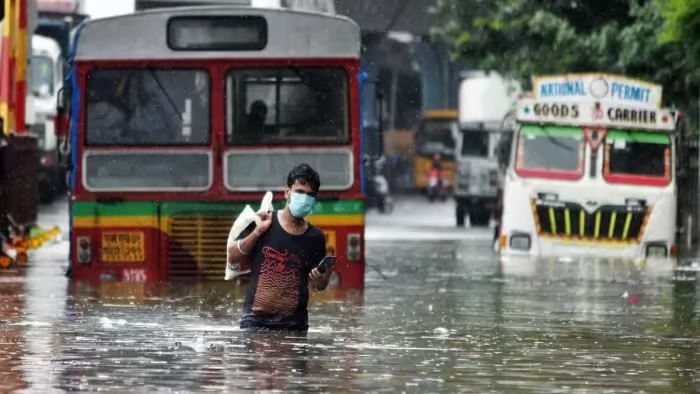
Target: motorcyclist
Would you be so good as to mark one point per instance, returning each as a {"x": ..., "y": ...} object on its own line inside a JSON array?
[{"x": 436, "y": 169}]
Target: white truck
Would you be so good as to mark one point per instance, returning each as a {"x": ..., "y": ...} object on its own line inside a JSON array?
[
  {"x": 484, "y": 101},
  {"x": 46, "y": 69},
  {"x": 599, "y": 170}
]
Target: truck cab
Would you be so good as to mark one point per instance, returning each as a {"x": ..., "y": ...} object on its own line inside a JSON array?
[
  {"x": 484, "y": 101},
  {"x": 46, "y": 69}
]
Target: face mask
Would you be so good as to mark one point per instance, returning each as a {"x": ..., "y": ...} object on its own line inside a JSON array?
[{"x": 300, "y": 204}]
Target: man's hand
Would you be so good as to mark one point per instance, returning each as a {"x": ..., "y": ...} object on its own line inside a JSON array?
[
  {"x": 263, "y": 223},
  {"x": 321, "y": 280}
]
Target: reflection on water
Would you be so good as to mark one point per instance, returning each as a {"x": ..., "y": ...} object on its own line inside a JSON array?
[
  {"x": 11, "y": 341},
  {"x": 435, "y": 316}
]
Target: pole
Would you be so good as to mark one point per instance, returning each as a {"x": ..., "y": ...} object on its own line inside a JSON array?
[{"x": 392, "y": 112}]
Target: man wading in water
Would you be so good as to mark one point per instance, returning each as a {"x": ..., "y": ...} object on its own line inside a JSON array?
[{"x": 284, "y": 250}]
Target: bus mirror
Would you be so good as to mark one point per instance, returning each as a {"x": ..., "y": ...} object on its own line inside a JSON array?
[
  {"x": 62, "y": 108},
  {"x": 62, "y": 100}
]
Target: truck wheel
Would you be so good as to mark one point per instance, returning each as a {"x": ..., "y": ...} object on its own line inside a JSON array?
[
  {"x": 460, "y": 215},
  {"x": 480, "y": 218}
]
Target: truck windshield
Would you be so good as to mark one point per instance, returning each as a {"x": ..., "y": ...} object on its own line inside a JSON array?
[
  {"x": 290, "y": 105},
  {"x": 147, "y": 106},
  {"x": 435, "y": 136},
  {"x": 635, "y": 157},
  {"x": 475, "y": 143},
  {"x": 42, "y": 70},
  {"x": 550, "y": 152}
]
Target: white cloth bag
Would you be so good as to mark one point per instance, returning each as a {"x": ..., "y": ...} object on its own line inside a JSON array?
[{"x": 241, "y": 223}]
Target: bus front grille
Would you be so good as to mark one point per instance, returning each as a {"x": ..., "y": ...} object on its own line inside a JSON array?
[
  {"x": 609, "y": 222},
  {"x": 198, "y": 246}
]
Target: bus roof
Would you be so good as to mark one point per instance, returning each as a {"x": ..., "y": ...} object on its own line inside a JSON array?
[{"x": 290, "y": 34}]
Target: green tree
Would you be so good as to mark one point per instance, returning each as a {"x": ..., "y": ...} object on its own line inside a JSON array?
[{"x": 525, "y": 37}]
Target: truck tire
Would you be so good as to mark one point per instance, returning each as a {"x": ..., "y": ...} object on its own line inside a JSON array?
[{"x": 460, "y": 215}]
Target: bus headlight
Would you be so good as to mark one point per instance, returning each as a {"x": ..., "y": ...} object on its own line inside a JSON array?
[
  {"x": 354, "y": 246},
  {"x": 520, "y": 241},
  {"x": 657, "y": 249},
  {"x": 83, "y": 250}
]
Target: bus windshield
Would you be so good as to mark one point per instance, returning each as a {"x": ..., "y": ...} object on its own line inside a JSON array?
[
  {"x": 147, "y": 106},
  {"x": 637, "y": 158},
  {"x": 550, "y": 152},
  {"x": 287, "y": 105},
  {"x": 435, "y": 136}
]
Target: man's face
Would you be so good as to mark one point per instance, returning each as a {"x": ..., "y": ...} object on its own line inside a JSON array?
[{"x": 299, "y": 186}]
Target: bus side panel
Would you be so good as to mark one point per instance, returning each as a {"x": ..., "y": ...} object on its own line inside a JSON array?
[
  {"x": 350, "y": 266},
  {"x": 95, "y": 269},
  {"x": 115, "y": 241}
]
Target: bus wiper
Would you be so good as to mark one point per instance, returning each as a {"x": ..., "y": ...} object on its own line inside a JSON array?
[{"x": 165, "y": 93}]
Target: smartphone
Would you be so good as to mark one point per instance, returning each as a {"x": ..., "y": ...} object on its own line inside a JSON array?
[{"x": 326, "y": 263}]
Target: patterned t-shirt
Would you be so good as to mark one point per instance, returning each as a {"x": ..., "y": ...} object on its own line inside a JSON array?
[{"x": 278, "y": 292}]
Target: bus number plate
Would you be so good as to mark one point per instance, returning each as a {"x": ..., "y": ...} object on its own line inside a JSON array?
[{"x": 123, "y": 247}]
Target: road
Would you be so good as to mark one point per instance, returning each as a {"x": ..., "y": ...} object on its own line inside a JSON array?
[{"x": 436, "y": 316}]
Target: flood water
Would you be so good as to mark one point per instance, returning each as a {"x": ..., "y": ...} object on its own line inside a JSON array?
[{"x": 436, "y": 316}]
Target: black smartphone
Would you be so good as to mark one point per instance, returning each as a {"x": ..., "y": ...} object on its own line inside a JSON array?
[{"x": 326, "y": 263}]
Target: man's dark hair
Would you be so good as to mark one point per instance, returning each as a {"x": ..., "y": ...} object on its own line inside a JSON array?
[{"x": 304, "y": 173}]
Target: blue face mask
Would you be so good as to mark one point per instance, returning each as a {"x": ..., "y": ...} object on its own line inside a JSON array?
[{"x": 300, "y": 204}]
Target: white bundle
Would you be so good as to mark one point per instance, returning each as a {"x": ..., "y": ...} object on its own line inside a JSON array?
[{"x": 241, "y": 223}]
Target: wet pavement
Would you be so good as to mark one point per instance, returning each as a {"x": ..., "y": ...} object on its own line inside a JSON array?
[{"x": 436, "y": 316}]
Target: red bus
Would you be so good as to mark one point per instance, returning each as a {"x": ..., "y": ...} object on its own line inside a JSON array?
[{"x": 179, "y": 117}]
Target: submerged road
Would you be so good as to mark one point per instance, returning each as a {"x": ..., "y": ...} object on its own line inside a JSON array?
[{"x": 436, "y": 316}]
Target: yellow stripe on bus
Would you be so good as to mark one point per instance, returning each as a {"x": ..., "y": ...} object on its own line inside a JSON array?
[{"x": 152, "y": 222}]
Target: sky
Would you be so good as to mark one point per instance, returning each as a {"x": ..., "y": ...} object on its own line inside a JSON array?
[{"x": 105, "y": 8}]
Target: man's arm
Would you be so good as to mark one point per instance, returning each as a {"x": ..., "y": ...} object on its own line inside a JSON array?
[{"x": 246, "y": 241}]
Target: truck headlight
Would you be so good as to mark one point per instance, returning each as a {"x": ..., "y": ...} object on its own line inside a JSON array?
[
  {"x": 657, "y": 249},
  {"x": 520, "y": 241}
]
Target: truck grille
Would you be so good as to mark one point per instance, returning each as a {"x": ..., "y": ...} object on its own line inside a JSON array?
[
  {"x": 608, "y": 222},
  {"x": 198, "y": 246}
]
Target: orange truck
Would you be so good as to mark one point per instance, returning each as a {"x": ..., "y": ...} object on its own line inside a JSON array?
[{"x": 18, "y": 145}]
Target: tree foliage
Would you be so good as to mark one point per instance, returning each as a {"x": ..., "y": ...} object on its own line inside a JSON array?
[{"x": 521, "y": 38}]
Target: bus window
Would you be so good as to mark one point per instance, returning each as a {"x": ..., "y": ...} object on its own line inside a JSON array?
[
  {"x": 147, "y": 106},
  {"x": 435, "y": 136},
  {"x": 637, "y": 158},
  {"x": 287, "y": 106},
  {"x": 550, "y": 152}
]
